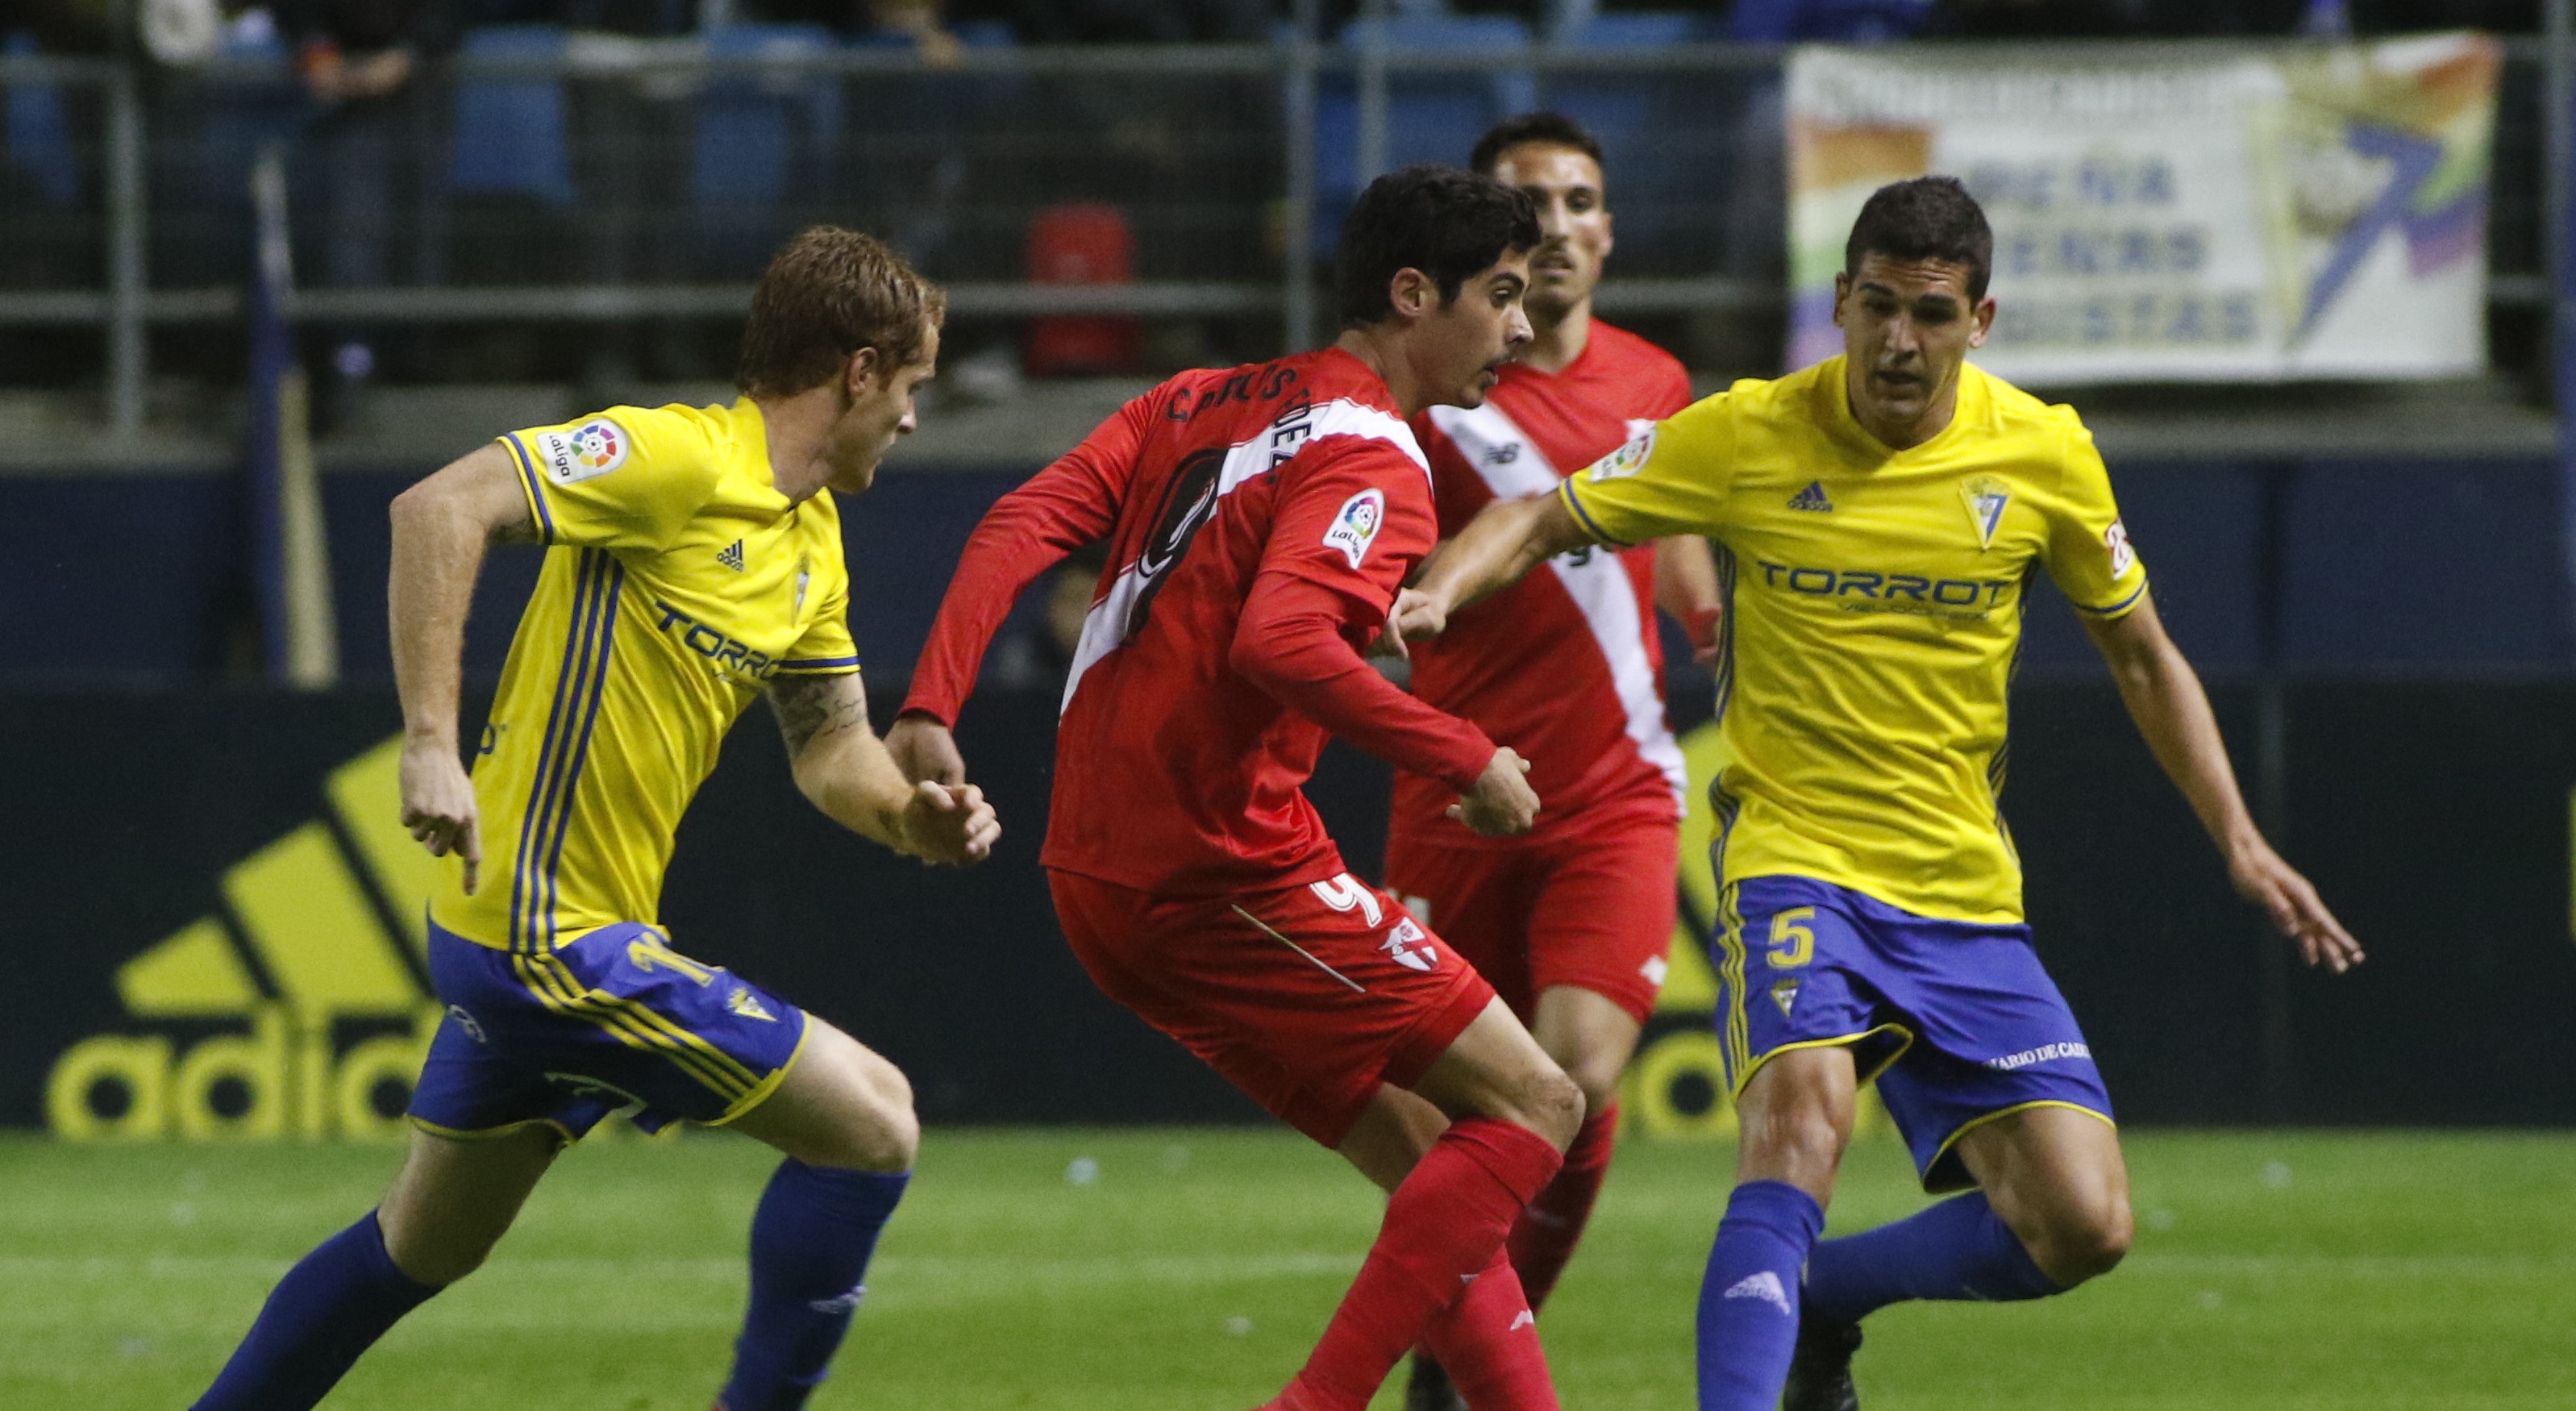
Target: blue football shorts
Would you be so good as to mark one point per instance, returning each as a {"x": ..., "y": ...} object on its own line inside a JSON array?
[
  {"x": 614, "y": 1021},
  {"x": 1955, "y": 1019}
]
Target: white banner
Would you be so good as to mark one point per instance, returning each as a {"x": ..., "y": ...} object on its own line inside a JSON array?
[{"x": 2174, "y": 214}]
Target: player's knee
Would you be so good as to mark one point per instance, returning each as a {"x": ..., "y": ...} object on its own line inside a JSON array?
[
  {"x": 2086, "y": 1242},
  {"x": 1596, "y": 1075},
  {"x": 1550, "y": 1104},
  {"x": 437, "y": 1259},
  {"x": 890, "y": 1137}
]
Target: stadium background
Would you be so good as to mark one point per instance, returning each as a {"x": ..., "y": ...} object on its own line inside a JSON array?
[{"x": 210, "y": 391}]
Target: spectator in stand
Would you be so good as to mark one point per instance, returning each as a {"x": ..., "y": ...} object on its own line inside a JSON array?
[{"x": 361, "y": 61}]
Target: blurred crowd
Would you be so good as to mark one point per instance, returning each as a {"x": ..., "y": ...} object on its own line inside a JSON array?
[{"x": 350, "y": 47}]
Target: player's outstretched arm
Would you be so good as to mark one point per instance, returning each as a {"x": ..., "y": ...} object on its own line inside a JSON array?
[
  {"x": 1505, "y": 540},
  {"x": 2164, "y": 697},
  {"x": 843, "y": 769},
  {"x": 440, "y": 529},
  {"x": 1686, "y": 589}
]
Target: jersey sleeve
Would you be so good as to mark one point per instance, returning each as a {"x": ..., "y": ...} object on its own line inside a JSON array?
[
  {"x": 1028, "y": 531},
  {"x": 2088, "y": 554},
  {"x": 825, "y": 649},
  {"x": 1671, "y": 478},
  {"x": 1356, "y": 521},
  {"x": 627, "y": 478}
]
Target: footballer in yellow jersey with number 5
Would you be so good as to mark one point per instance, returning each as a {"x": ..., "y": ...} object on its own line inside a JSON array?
[{"x": 1878, "y": 518}]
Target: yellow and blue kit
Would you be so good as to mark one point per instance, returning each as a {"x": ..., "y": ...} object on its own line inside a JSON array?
[
  {"x": 1874, "y": 601},
  {"x": 678, "y": 583}
]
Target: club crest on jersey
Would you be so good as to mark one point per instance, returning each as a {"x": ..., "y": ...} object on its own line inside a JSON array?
[
  {"x": 1356, "y": 526},
  {"x": 593, "y": 448},
  {"x": 1408, "y": 945},
  {"x": 1627, "y": 460},
  {"x": 1985, "y": 497},
  {"x": 804, "y": 580}
]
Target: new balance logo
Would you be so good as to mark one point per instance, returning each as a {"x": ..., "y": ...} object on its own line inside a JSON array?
[
  {"x": 1812, "y": 498},
  {"x": 731, "y": 556},
  {"x": 1766, "y": 1287}
]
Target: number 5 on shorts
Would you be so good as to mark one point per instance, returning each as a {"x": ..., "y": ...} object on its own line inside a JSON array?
[{"x": 1792, "y": 945}]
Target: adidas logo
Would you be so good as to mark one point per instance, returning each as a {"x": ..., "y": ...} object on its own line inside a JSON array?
[
  {"x": 1812, "y": 498},
  {"x": 731, "y": 556},
  {"x": 1766, "y": 1287},
  {"x": 305, "y": 946}
]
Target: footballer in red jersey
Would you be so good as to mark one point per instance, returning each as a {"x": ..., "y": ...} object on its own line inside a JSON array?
[
  {"x": 1570, "y": 921},
  {"x": 1259, "y": 523}
]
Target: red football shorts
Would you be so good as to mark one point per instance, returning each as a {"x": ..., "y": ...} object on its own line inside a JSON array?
[
  {"x": 1590, "y": 907},
  {"x": 1305, "y": 997}
]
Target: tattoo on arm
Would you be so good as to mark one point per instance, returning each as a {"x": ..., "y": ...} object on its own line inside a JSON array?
[{"x": 808, "y": 706}]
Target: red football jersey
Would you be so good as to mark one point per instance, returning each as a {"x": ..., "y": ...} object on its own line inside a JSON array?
[
  {"x": 1564, "y": 666},
  {"x": 1224, "y": 495}
]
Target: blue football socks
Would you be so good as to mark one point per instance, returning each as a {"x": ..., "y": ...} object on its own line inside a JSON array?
[
  {"x": 1748, "y": 1304},
  {"x": 330, "y": 1307},
  {"x": 810, "y": 1244},
  {"x": 1959, "y": 1249}
]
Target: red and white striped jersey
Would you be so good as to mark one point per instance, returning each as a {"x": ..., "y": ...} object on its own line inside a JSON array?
[{"x": 1564, "y": 666}]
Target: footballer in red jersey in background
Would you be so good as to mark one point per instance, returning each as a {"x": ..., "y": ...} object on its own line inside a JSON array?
[
  {"x": 1259, "y": 522},
  {"x": 1569, "y": 921}
]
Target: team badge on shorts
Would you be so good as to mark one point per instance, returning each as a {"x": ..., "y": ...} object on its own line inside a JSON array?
[
  {"x": 593, "y": 448},
  {"x": 1407, "y": 945},
  {"x": 1356, "y": 526}
]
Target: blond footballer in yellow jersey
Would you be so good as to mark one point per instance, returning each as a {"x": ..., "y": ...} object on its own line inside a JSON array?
[
  {"x": 688, "y": 583},
  {"x": 1876, "y": 601},
  {"x": 1878, "y": 516},
  {"x": 694, "y": 561}
]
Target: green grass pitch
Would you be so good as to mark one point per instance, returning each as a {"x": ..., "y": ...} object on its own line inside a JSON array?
[{"x": 2272, "y": 1270}]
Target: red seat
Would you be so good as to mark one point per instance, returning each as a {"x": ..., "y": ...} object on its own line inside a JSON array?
[{"x": 1083, "y": 242}]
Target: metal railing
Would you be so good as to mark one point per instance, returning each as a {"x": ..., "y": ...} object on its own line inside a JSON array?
[{"x": 1294, "y": 82}]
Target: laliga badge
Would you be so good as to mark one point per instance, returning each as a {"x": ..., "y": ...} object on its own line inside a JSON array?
[
  {"x": 595, "y": 447},
  {"x": 1356, "y": 526}
]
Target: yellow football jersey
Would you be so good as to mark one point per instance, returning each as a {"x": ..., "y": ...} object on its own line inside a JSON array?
[
  {"x": 1874, "y": 602},
  {"x": 679, "y": 581}
]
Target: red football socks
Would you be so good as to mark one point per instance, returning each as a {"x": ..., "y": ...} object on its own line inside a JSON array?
[
  {"x": 1487, "y": 1340},
  {"x": 1443, "y": 1227},
  {"x": 1544, "y": 1236}
]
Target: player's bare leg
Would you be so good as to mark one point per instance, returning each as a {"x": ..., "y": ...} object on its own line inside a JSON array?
[
  {"x": 1438, "y": 1273},
  {"x": 2056, "y": 1178},
  {"x": 456, "y": 1196},
  {"x": 843, "y": 1117}
]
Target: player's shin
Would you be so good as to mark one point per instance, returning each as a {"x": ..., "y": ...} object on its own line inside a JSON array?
[
  {"x": 1543, "y": 1239},
  {"x": 1748, "y": 1310},
  {"x": 1443, "y": 1226},
  {"x": 810, "y": 1244},
  {"x": 1487, "y": 1339},
  {"x": 330, "y": 1307},
  {"x": 1958, "y": 1250}
]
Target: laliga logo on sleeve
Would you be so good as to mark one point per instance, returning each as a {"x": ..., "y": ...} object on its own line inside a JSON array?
[
  {"x": 1628, "y": 459},
  {"x": 595, "y": 447},
  {"x": 1356, "y": 526}
]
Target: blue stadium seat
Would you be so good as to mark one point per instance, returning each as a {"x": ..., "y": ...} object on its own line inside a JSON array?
[
  {"x": 748, "y": 140},
  {"x": 509, "y": 135},
  {"x": 1650, "y": 138},
  {"x": 1433, "y": 117},
  {"x": 40, "y": 134}
]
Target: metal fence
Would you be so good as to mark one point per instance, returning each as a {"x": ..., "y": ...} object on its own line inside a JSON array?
[{"x": 589, "y": 180}]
